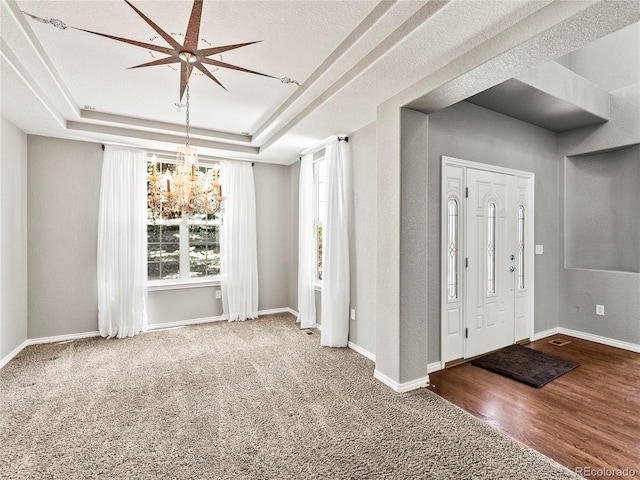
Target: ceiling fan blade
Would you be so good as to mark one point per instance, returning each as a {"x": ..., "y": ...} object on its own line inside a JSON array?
[
  {"x": 202, "y": 68},
  {"x": 168, "y": 38},
  {"x": 193, "y": 28},
  {"x": 205, "y": 52},
  {"x": 161, "y": 61},
  {"x": 150, "y": 46},
  {"x": 233, "y": 67}
]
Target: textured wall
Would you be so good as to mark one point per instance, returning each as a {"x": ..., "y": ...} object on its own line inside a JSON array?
[
  {"x": 294, "y": 176},
  {"x": 581, "y": 289},
  {"x": 63, "y": 201},
  {"x": 602, "y": 196},
  {"x": 362, "y": 332},
  {"x": 274, "y": 234},
  {"x": 473, "y": 133},
  {"x": 13, "y": 238},
  {"x": 64, "y": 193}
]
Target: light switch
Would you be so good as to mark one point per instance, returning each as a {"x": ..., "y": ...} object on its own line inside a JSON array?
[{"x": 539, "y": 250}]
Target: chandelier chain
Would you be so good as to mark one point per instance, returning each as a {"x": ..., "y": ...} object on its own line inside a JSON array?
[{"x": 187, "y": 104}]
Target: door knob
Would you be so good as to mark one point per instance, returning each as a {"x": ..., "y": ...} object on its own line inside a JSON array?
[{"x": 512, "y": 269}]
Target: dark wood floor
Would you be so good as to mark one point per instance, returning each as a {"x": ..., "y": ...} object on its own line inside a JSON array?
[{"x": 587, "y": 418}]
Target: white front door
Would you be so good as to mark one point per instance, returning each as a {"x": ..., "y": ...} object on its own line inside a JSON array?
[{"x": 491, "y": 253}]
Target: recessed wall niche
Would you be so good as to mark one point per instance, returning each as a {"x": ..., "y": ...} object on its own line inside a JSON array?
[{"x": 602, "y": 210}]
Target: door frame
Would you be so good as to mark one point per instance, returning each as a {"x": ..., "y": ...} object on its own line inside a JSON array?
[{"x": 452, "y": 312}]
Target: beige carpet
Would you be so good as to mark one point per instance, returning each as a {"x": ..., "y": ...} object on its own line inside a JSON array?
[{"x": 256, "y": 399}]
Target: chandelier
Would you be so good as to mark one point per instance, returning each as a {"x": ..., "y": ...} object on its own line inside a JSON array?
[{"x": 186, "y": 190}]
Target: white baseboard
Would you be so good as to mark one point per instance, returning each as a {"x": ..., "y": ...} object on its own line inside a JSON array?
[
  {"x": 271, "y": 311},
  {"x": 62, "y": 338},
  {"x": 221, "y": 318},
  {"x": 545, "y": 334},
  {"x": 612, "y": 342},
  {"x": 401, "y": 387},
  {"x": 362, "y": 351},
  {"x": 434, "y": 367},
  {"x": 13, "y": 353},
  {"x": 39, "y": 340},
  {"x": 182, "y": 323}
]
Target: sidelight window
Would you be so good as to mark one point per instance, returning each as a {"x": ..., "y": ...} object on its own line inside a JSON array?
[
  {"x": 491, "y": 248},
  {"x": 452, "y": 249},
  {"x": 521, "y": 247}
]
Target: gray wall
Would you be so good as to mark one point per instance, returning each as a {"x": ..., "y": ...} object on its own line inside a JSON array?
[
  {"x": 602, "y": 196},
  {"x": 63, "y": 201},
  {"x": 473, "y": 133},
  {"x": 581, "y": 289},
  {"x": 273, "y": 205},
  {"x": 294, "y": 182},
  {"x": 362, "y": 331},
  {"x": 13, "y": 238},
  {"x": 611, "y": 62},
  {"x": 274, "y": 237}
]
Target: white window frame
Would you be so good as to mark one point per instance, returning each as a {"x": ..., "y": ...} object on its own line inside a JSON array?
[
  {"x": 184, "y": 281},
  {"x": 316, "y": 214}
]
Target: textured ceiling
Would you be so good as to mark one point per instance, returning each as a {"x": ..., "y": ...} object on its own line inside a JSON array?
[{"x": 347, "y": 56}]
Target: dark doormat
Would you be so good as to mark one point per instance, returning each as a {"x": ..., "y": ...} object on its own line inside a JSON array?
[{"x": 525, "y": 365}]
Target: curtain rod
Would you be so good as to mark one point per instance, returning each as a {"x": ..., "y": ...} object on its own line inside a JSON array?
[{"x": 172, "y": 154}]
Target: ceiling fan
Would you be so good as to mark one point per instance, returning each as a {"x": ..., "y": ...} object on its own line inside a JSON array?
[{"x": 185, "y": 54}]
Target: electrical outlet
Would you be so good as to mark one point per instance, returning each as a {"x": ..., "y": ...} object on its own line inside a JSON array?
[
  {"x": 599, "y": 309},
  {"x": 218, "y": 294},
  {"x": 353, "y": 314}
]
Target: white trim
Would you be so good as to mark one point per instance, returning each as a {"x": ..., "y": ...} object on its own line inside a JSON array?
[
  {"x": 361, "y": 351},
  {"x": 633, "y": 347},
  {"x": 183, "y": 323},
  {"x": 15, "y": 352},
  {"x": 220, "y": 318},
  {"x": 155, "y": 285},
  {"x": 278, "y": 310},
  {"x": 317, "y": 286},
  {"x": 530, "y": 237},
  {"x": 544, "y": 334},
  {"x": 62, "y": 338},
  {"x": 401, "y": 387},
  {"x": 434, "y": 367}
]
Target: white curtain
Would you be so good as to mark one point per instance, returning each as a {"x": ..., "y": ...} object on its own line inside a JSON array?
[
  {"x": 306, "y": 246},
  {"x": 238, "y": 247},
  {"x": 335, "y": 275},
  {"x": 122, "y": 243}
]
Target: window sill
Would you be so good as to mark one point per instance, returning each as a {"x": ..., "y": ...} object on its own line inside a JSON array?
[{"x": 156, "y": 285}]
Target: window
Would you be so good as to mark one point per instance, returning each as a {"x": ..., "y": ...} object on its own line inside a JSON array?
[
  {"x": 182, "y": 248},
  {"x": 491, "y": 249},
  {"x": 319, "y": 167},
  {"x": 521, "y": 247},
  {"x": 452, "y": 248}
]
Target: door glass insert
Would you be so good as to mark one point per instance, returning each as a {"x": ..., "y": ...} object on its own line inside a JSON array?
[
  {"x": 491, "y": 249},
  {"x": 452, "y": 247},
  {"x": 521, "y": 247}
]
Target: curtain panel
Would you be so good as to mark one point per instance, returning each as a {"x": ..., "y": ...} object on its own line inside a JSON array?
[
  {"x": 238, "y": 245},
  {"x": 306, "y": 246},
  {"x": 122, "y": 243},
  {"x": 335, "y": 278}
]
